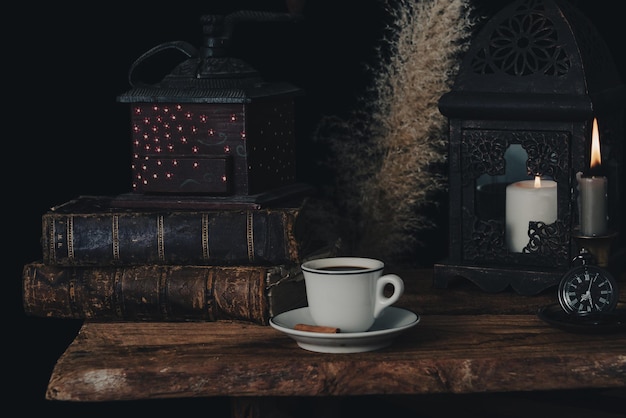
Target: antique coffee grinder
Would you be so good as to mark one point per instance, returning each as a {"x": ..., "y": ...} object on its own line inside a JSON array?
[
  {"x": 213, "y": 126},
  {"x": 521, "y": 116}
]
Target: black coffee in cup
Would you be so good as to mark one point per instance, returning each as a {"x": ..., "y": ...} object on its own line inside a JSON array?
[{"x": 343, "y": 268}]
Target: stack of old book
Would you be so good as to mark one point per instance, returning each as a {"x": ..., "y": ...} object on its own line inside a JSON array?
[
  {"x": 105, "y": 262},
  {"x": 215, "y": 225}
]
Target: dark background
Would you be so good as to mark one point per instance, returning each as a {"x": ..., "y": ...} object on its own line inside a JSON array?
[{"x": 68, "y": 136}]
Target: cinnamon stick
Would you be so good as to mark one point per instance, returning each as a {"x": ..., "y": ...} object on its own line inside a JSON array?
[{"x": 316, "y": 328}]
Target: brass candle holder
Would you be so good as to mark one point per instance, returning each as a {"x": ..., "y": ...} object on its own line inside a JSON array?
[{"x": 598, "y": 245}]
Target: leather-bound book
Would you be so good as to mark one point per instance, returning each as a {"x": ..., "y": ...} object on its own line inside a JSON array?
[
  {"x": 92, "y": 231},
  {"x": 162, "y": 292}
]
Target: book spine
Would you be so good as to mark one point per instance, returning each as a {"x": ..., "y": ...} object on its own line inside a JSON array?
[
  {"x": 252, "y": 237},
  {"x": 151, "y": 293}
]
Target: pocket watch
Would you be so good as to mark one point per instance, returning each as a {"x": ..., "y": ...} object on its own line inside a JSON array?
[{"x": 588, "y": 289}]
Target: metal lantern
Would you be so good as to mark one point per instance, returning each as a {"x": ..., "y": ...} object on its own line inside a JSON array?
[
  {"x": 520, "y": 112},
  {"x": 212, "y": 126}
]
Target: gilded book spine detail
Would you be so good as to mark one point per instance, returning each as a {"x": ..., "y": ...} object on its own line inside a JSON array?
[
  {"x": 115, "y": 228},
  {"x": 250, "y": 235},
  {"x": 205, "y": 237},
  {"x": 160, "y": 238},
  {"x": 70, "y": 237}
]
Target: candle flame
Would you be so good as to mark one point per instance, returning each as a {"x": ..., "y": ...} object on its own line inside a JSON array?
[
  {"x": 596, "y": 159},
  {"x": 537, "y": 181}
]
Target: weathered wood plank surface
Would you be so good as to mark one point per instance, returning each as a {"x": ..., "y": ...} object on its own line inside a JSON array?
[
  {"x": 442, "y": 354},
  {"x": 468, "y": 341}
]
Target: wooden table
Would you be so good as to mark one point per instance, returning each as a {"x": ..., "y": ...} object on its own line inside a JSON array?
[{"x": 467, "y": 341}]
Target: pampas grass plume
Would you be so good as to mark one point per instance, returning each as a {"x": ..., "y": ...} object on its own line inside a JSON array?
[{"x": 388, "y": 154}]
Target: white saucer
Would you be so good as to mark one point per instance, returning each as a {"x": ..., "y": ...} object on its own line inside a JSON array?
[{"x": 392, "y": 322}]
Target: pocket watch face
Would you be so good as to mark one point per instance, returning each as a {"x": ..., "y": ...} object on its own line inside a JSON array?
[{"x": 588, "y": 289}]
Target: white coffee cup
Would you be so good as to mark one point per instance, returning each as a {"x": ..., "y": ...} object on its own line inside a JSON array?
[{"x": 348, "y": 292}]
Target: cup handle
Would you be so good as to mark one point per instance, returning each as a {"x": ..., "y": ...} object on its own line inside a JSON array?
[{"x": 383, "y": 301}]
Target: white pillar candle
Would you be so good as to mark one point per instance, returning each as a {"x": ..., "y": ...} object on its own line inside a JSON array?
[
  {"x": 526, "y": 201},
  {"x": 593, "y": 207}
]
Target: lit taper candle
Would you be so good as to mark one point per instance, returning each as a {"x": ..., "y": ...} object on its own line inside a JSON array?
[{"x": 593, "y": 192}]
